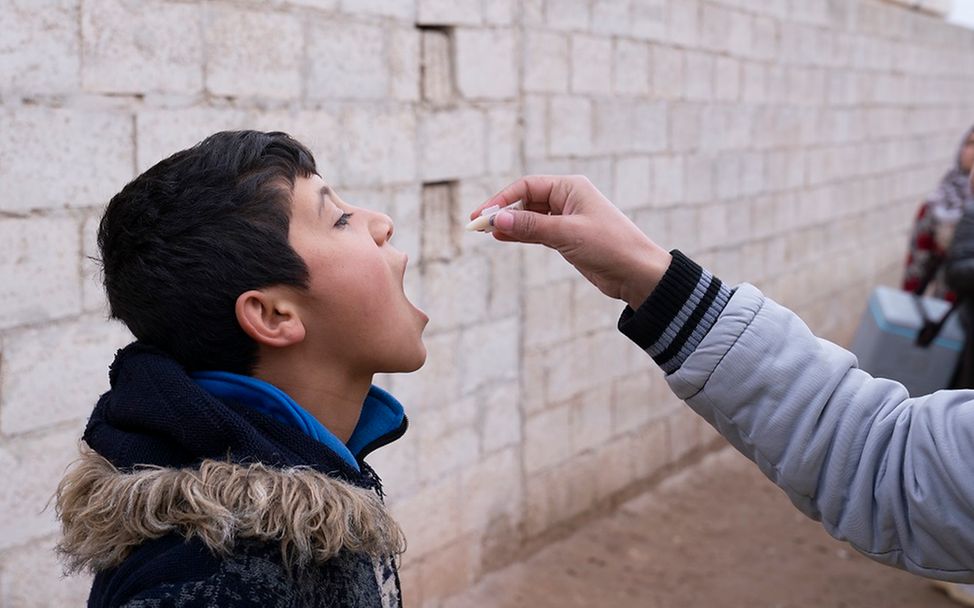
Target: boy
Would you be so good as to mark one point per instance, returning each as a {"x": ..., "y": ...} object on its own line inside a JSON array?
[{"x": 226, "y": 464}]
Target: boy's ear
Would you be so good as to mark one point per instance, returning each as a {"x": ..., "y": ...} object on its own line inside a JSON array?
[{"x": 269, "y": 318}]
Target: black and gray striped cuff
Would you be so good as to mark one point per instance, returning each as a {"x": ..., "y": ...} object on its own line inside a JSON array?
[{"x": 674, "y": 319}]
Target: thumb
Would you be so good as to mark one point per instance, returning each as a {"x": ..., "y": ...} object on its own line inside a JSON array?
[{"x": 528, "y": 226}]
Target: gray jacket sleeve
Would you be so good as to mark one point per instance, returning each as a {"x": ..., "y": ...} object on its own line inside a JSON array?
[{"x": 893, "y": 476}]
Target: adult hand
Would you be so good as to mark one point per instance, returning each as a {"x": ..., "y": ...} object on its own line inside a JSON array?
[{"x": 568, "y": 214}]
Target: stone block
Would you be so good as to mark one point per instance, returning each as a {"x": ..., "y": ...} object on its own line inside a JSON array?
[
  {"x": 32, "y": 469},
  {"x": 548, "y": 313},
  {"x": 650, "y": 449},
  {"x": 437, "y": 384},
  {"x": 570, "y": 126},
  {"x": 631, "y": 402},
  {"x": 650, "y": 126},
  {"x": 139, "y": 47},
  {"x": 686, "y": 126},
  {"x": 452, "y": 144},
  {"x": 633, "y": 182},
  {"x": 39, "y": 47},
  {"x": 33, "y": 576},
  {"x": 568, "y": 14},
  {"x": 648, "y": 19},
  {"x": 55, "y": 374},
  {"x": 683, "y": 427},
  {"x": 684, "y": 22},
  {"x": 441, "y": 284},
  {"x": 349, "y": 61},
  {"x": 400, "y": 9},
  {"x": 62, "y": 158},
  {"x": 591, "y": 64},
  {"x": 503, "y": 137},
  {"x": 611, "y": 17},
  {"x": 668, "y": 73},
  {"x": 630, "y": 69},
  {"x": 592, "y": 310},
  {"x": 546, "y": 66},
  {"x": 699, "y": 171},
  {"x": 378, "y": 145},
  {"x": 592, "y": 419},
  {"x": 546, "y": 438},
  {"x": 491, "y": 489},
  {"x": 444, "y": 455},
  {"x": 614, "y": 128},
  {"x": 502, "y": 417},
  {"x": 485, "y": 64},
  {"x": 255, "y": 53},
  {"x": 727, "y": 86},
  {"x": 668, "y": 180},
  {"x": 449, "y": 12},
  {"x": 489, "y": 354},
  {"x": 430, "y": 517},
  {"x": 39, "y": 263},
  {"x": 449, "y": 570},
  {"x": 500, "y": 12},
  {"x": 700, "y": 76}
]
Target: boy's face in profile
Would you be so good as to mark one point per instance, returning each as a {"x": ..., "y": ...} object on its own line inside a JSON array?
[{"x": 355, "y": 312}]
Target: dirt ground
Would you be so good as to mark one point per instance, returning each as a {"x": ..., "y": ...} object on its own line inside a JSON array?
[{"x": 716, "y": 535}]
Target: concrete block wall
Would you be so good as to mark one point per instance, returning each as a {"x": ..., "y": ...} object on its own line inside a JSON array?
[{"x": 783, "y": 142}]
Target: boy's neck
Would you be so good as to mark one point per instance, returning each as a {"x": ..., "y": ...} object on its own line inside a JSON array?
[{"x": 334, "y": 398}]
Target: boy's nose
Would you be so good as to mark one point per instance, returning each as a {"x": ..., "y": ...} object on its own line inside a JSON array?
[{"x": 381, "y": 227}]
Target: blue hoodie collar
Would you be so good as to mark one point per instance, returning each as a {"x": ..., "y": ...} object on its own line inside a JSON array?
[{"x": 382, "y": 415}]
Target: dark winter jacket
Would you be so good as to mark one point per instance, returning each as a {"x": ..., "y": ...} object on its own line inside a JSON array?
[{"x": 184, "y": 498}]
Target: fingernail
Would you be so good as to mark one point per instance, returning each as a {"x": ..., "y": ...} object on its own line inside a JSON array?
[{"x": 504, "y": 221}]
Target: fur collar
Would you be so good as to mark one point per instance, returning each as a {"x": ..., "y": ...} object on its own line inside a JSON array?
[{"x": 105, "y": 513}]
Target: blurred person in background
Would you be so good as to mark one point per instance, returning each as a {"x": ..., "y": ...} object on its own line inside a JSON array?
[{"x": 935, "y": 223}]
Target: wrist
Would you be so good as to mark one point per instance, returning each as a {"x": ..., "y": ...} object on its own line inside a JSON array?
[{"x": 645, "y": 274}]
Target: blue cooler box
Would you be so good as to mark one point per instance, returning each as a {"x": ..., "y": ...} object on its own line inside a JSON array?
[{"x": 884, "y": 342}]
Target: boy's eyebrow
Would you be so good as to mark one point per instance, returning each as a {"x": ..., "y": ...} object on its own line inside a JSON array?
[{"x": 325, "y": 191}]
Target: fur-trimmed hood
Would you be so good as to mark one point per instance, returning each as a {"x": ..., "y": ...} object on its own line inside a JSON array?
[{"x": 106, "y": 512}]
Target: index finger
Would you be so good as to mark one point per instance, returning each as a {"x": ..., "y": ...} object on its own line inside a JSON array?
[{"x": 534, "y": 190}]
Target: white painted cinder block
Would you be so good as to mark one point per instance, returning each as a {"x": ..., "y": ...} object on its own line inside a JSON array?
[
  {"x": 39, "y": 263},
  {"x": 630, "y": 67},
  {"x": 130, "y": 47},
  {"x": 633, "y": 181},
  {"x": 38, "y": 363},
  {"x": 452, "y": 144},
  {"x": 449, "y": 12},
  {"x": 546, "y": 63},
  {"x": 356, "y": 67},
  {"x": 252, "y": 53},
  {"x": 39, "y": 44},
  {"x": 402, "y": 9},
  {"x": 485, "y": 65},
  {"x": 39, "y": 169},
  {"x": 377, "y": 144},
  {"x": 591, "y": 64},
  {"x": 32, "y": 469},
  {"x": 570, "y": 126},
  {"x": 32, "y": 575}
]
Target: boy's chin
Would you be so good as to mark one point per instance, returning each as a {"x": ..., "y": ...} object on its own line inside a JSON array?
[{"x": 410, "y": 363}]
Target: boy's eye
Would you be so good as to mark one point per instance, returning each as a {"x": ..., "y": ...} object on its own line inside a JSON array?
[{"x": 343, "y": 220}]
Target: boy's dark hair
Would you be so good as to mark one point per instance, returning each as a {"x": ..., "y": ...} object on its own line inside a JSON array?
[{"x": 183, "y": 240}]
